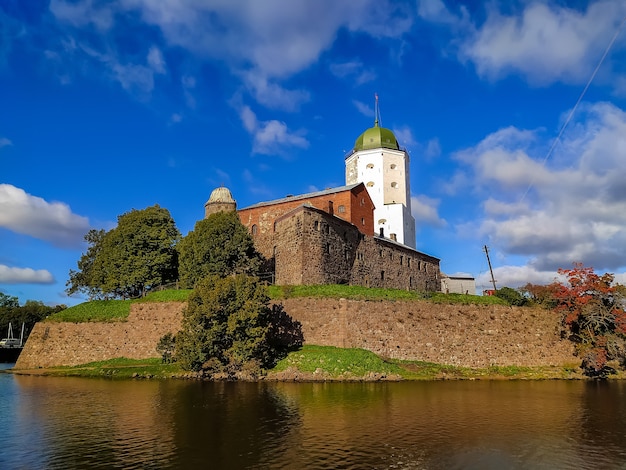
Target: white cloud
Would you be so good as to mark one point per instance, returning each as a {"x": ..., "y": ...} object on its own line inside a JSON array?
[
  {"x": 270, "y": 137},
  {"x": 353, "y": 71},
  {"x": 272, "y": 95},
  {"x": 364, "y": 109},
  {"x": 264, "y": 43},
  {"x": 176, "y": 118},
  {"x": 83, "y": 14},
  {"x": 10, "y": 275},
  {"x": 404, "y": 135},
  {"x": 436, "y": 12},
  {"x": 155, "y": 60},
  {"x": 575, "y": 210},
  {"x": 544, "y": 42},
  {"x": 424, "y": 211},
  {"x": 433, "y": 148},
  {"x": 515, "y": 277},
  {"x": 30, "y": 215},
  {"x": 4, "y": 142}
]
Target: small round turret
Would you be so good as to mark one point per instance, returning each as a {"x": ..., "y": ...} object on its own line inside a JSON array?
[{"x": 221, "y": 200}]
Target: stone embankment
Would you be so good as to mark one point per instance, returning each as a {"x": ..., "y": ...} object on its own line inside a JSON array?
[
  {"x": 473, "y": 336},
  {"x": 463, "y": 335},
  {"x": 68, "y": 344}
]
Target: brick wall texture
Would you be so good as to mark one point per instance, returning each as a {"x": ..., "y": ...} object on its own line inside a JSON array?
[{"x": 470, "y": 336}]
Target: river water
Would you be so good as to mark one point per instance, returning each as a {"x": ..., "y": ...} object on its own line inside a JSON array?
[{"x": 61, "y": 423}]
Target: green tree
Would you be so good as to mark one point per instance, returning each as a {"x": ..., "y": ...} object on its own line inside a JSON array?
[
  {"x": 512, "y": 296},
  {"x": 8, "y": 302},
  {"x": 218, "y": 245},
  {"x": 28, "y": 314},
  {"x": 88, "y": 279},
  {"x": 227, "y": 328},
  {"x": 138, "y": 254}
]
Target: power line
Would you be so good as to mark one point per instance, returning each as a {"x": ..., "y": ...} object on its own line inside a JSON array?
[{"x": 573, "y": 110}]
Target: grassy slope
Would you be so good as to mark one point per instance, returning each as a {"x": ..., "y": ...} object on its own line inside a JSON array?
[{"x": 326, "y": 363}]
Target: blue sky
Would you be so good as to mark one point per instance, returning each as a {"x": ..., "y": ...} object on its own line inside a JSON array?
[{"x": 106, "y": 106}]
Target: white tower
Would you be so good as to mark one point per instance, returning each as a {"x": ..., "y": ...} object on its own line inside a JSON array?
[{"x": 378, "y": 161}]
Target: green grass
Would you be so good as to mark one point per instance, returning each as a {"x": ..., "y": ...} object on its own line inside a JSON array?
[
  {"x": 114, "y": 310},
  {"x": 118, "y": 310},
  {"x": 337, "y": 362},
  {"x": 340, "y": 363},
  {"x": 168, "y": 295},
  {"x": 120, "y": 368},
  {"x": 464, "y": 299},
  {"x": 96, "y": 310},
  {"x": 329, "y": 363},
  {"x": 372, "y": 293}
]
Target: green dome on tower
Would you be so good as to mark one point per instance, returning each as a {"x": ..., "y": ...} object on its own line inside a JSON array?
[{"x": 376, "y": 137}]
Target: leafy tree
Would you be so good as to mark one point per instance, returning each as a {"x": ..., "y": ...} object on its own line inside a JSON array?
[
  {"x": 138, "y": 254},
  {"x": 512, "y": 296},
  {"x": 593, "y": 311},
  {"x": 88, "y": 279},
  {"x": 218, "y": 245},
  {"x": 8, "y": 302},
  {"x": 166, "y": 347},
  {"x": 228, "y": 328},
  {"x": 540, "y": 294}
]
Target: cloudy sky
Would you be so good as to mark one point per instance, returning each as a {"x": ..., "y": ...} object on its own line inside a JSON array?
[{"x": 514, "y": 115}]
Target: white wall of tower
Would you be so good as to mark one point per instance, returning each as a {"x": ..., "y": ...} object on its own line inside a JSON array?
[{"x": 385, "y": 173}]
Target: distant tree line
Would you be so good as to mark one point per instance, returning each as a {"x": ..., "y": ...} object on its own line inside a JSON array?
[{"x": 17, "y": 315}]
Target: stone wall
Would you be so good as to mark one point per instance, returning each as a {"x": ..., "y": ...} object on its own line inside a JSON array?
[
  {"x": 463, "y": 335},
  {"x": 473, "y": 336},
  {"x": 313, "y": 247},
  {"x": 68, "y": 344}
]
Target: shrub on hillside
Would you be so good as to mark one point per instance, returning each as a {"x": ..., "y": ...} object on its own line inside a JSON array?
[
  {"x": 511, "y": 296},
  {"x": 230, "y": 331}
]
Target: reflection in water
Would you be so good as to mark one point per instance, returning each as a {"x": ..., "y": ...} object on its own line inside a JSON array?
[{"x": 90, "y": 423}]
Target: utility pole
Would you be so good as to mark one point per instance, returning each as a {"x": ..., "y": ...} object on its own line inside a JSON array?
[{"x": 493, "y": 281}]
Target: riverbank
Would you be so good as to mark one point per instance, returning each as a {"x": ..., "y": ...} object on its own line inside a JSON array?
[{"x": 320, "y": 364}]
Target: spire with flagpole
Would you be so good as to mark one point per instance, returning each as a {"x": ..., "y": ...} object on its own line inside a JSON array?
[{"x": 376, "y": 111}]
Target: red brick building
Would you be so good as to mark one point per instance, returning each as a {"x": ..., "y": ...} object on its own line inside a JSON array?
[
  {"x": 350, "y": 203},
  {"x": 327, "y": 237}
]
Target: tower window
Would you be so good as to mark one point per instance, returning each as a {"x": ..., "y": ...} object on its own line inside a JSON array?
[
  {"x": 341, "y": 209},
  {"x": 382, "y": 221},
  {"x": 393, "y": 166},
  {"x": 370, "y": 184},
  {"x": 394, "y": 185},
  {"x": 370, "y": 166},
  {"x": 254, "y": 229},
  {"x": 362, "y": 220}
]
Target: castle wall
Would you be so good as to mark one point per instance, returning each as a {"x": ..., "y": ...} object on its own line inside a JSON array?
[
  {"x": 69, "y": 344},
  {"x": 313, "y": 247},
  {"x": 463, "y": 335}
]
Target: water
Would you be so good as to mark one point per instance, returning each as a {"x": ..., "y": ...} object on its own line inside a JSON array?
[{"x": 91, "y": 423}]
